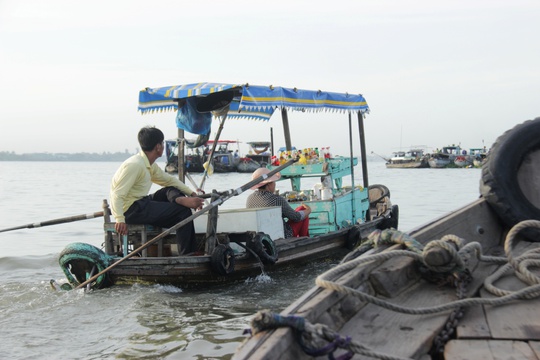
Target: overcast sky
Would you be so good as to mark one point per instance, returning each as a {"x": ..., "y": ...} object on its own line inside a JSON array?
[{"x": 434, "y": 73}]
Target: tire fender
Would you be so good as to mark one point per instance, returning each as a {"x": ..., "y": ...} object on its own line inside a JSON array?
[
  {"x": 510, "y": 176},
  {"x": 223, "y": 260},
  {"x": 262, "y": 245},
  {"x": 77, "y": 261}
]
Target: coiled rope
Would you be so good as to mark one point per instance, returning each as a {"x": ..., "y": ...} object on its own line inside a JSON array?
[
  {"x": 519, "y": 265},
  {"x": 460, "y": 255}
]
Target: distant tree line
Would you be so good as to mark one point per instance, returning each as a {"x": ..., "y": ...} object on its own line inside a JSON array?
[{"x": 105, "y": 156}]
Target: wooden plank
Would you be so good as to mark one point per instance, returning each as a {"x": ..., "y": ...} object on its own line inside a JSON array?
[
  {"x": 517, "y": 320},
  {"x": 535, "y": 346},
  {"x": 488, "y": 350},
  {"x": 394, "y": 276},
  {"x": 473, "y": 325},
  {"x": 401, "y": 334},
  {"x": 476, "y": 221}
]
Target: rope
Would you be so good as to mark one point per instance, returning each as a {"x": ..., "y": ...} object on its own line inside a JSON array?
[
  {"x": 457, "y": 265},
  {"x": 310, "y": 336}
]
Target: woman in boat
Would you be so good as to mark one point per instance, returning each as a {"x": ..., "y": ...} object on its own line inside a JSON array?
[
  {"x": 131, "y": 204},
  {"x": 264, "y": 196}
]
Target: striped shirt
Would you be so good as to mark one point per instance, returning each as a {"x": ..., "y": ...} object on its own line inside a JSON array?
[{"x": 262, "y": 198}]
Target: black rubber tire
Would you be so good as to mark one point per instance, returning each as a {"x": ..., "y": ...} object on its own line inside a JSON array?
[
  {"x": 223, "y": 260},
  {"x": 262, "y": 245},
  {"x": 394, "y": 219},
  {"x": 77, "y": 259},
  {"x": 353, "y": 238},
  {"x": 505, "y": 172},
  {"x": 385, "y": 192}
]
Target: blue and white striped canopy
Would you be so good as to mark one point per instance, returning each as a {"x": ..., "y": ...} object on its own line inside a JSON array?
[
  {"x": 250, "y": 101},
  {"x": 253, "y": 102}
]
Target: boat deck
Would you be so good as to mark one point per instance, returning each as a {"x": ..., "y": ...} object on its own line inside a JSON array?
[{"x": 484, "y": 332}]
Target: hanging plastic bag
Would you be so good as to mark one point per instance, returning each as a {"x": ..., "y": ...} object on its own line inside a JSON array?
[{"x": 189, "y": 119}]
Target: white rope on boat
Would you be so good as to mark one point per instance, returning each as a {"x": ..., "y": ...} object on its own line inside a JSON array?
[{"x": 519, "y": 265}]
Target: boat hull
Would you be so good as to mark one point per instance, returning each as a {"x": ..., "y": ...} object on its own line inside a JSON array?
[
  {"x": 407, "y": 165},
  {"x": 247, "y": 165},
  {"x": 439, "y": 163},
  {"x": 197, "y": 271}
]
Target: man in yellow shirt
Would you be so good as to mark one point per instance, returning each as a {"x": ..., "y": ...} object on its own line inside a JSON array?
[{"x": 131, "y": 204}]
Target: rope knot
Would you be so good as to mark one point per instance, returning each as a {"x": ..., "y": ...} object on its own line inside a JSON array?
[
  {"x": 265, "y": 320},
  {"x": 442, "y": 255}
]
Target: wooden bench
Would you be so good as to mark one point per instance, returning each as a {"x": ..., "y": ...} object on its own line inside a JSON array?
[{"x": 137, "y": 235}]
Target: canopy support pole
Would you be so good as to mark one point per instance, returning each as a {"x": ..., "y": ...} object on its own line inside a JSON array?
[
  {"x": 288, "y": 143},
  {"x": 353, "y": 200},
  {"x": 363, "y": 148},
  {"x": 181, "y": 145},
  {"x": 286, "y": 129},
  {"x": 272, "y": 142}
]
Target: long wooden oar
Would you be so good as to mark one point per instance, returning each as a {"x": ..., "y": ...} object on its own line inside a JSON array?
[
  {"x": 57, "y": 221},
  {"x": 226, "y": 196}
]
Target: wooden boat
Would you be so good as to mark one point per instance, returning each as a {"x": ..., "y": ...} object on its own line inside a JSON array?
[
  {"x": 247, "y": 165},
  {"x": 479, "y": 156},
  {"x": 241, "y": 243},
  {"x": 463, "y": 161},
  {"x": 260, "y": 151},
  {"x": 475, "y": 157},
  {"x": 193, "y": 159},
  {"x": 223, "y": 158},
  {"x": 463, "y": 286},
  {"x": 445, "y": 157},
  {"x": 412, "y": 159}
]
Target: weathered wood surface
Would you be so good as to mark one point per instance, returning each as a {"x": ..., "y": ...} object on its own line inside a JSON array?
[
  {"x": 517, "y": 320},
  {"x": 489, "y": 350}
]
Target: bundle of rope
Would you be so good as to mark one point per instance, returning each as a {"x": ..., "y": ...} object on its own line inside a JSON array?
[{"x": 520, "y": 266}]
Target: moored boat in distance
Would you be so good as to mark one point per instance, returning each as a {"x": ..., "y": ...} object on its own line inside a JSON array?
[
  {"x": 247, "y": 165},
  {"x": 479, "y": 156},
  {"x": 193, "y": 161},
  {"x": 444, "y": 157},
  {"x": 411, "y": 159},
  {"x": 462, "y": 286},
  {"x": 260, "y": 151},
  {"x": 259, "y": 155},
  {"x": 240, "y": 243}
]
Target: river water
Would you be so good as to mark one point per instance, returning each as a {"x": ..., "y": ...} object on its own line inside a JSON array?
[{"x": 153, "y": 321}]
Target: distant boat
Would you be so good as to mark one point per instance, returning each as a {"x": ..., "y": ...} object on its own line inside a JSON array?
[
  {"x": 193, "y": 159},
  {"x": 463, "y": 161},
  {"x": 223, "y": 160},
  {"x": 444, "y": 157},
  {"x": 412, "y": 159},
  {"x": 247, "y": 165},
  {"x": 260, "y": 151},
  {"x": 476, "y": 157},
  {"x": 479, "y": 156}
]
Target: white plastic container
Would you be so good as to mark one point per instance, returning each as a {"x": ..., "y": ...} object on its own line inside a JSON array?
[
  {"x": 317, "y": 191},
  {"x": 326, "y": 194}
]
